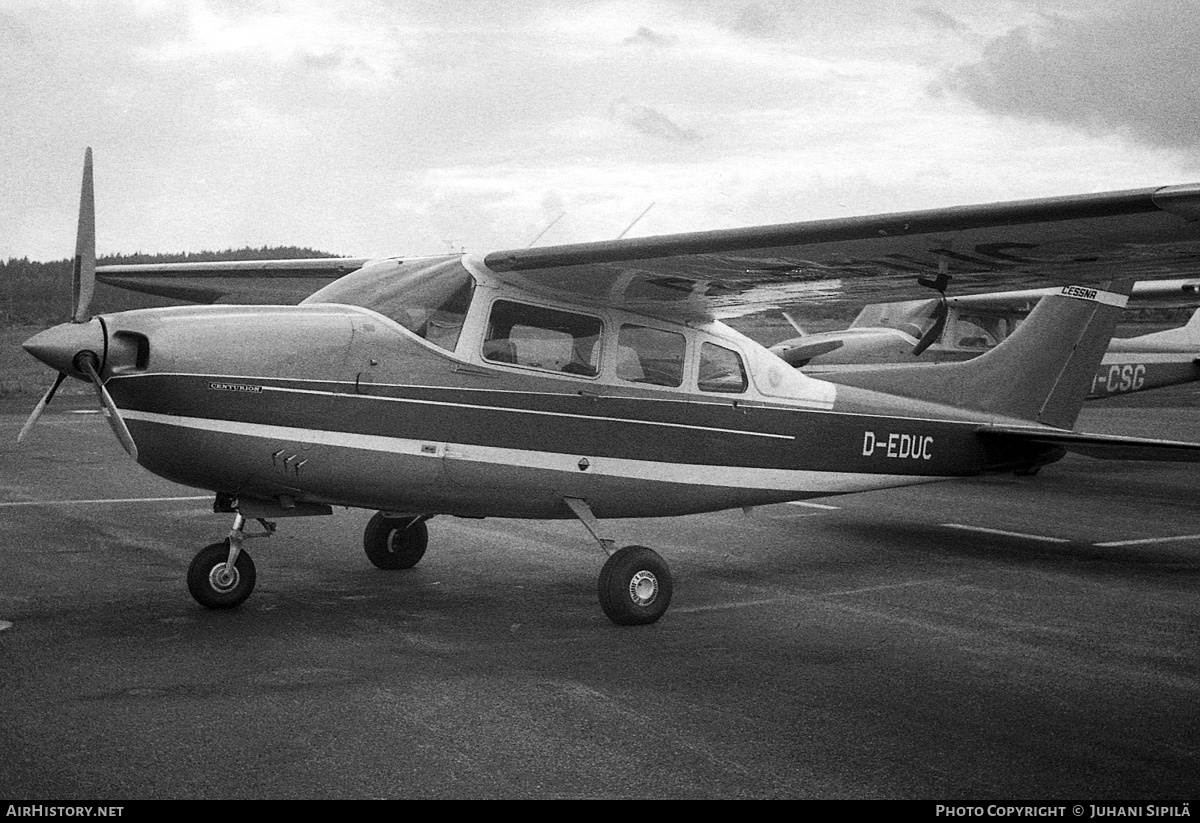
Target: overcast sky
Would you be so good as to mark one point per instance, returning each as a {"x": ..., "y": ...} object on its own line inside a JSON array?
[{"x": 420, "y": 126}]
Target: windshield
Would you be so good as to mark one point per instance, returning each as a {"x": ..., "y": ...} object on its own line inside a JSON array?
[{"x": 429, "y": 297}]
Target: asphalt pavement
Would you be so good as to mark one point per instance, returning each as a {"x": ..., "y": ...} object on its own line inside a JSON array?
[{"x": 993, "y": 639}]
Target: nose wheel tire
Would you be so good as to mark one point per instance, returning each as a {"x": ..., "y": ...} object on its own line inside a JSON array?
[
  {"x": 215, "y": 588},
  {"x": 634, "y": 586},
  {"x": 395, "y": 543}
]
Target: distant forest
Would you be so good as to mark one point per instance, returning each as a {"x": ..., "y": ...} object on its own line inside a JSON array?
[{"x": 33, "y": 293}]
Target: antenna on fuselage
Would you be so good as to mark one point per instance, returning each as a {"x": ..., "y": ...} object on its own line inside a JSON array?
[
  {"x": 549, "y": 226},
  {"x": 635, "y": 221}
]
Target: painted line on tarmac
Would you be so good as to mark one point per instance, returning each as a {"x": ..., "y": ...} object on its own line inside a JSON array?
[
  {"x": 1043, "y": 538},
  {"x": 95, "y": 502},
  {"x": 813, "y": 505},
  {"x": 1145, "y": 541},
  {"x": 886, "y": 586},
  {"x": 814, "y": 597},
  {"x": 725, "y": 606}
]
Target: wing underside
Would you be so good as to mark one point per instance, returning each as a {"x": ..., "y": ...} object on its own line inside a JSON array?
[{"x": 1147, "y": 234}]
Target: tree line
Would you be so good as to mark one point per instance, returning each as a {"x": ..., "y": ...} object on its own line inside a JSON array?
[{"x": 37, "y": 293}]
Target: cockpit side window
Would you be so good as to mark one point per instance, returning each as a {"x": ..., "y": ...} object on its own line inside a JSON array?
[
  {"x": 721, "y": 370},
  {"x": 646, "y": 355},
  {"x": 429, "y": 298},
  {"x": 543, "y": 338}
]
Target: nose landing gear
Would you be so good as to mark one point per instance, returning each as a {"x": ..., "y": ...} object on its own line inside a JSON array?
[
  {"x": 214, "y": 584},
  {"x": 222, "y": 575}
]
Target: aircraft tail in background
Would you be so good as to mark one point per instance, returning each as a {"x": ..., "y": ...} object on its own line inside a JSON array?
[
  {"x": 1041, "y": 373},
  {"x": 1184, "y": 340}
]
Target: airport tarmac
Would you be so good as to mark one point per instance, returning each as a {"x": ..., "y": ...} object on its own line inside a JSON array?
[{"x": 992, "y": 639}]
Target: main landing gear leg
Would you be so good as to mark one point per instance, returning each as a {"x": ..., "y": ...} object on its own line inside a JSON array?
[
  {"x": 222, "y": 575},
  {"x": 635, "y": 583}
]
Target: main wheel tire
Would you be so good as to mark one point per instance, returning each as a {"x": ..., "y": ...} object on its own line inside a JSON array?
[
  {"x": 395, "y": 543},
  {"x": 635, "y": 586},
  {"x": 211, "y": 586}
]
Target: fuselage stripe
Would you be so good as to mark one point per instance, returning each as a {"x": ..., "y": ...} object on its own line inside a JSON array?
[
  {"x": 806, "y": 482},
  {"x": 591, "y": 417}
]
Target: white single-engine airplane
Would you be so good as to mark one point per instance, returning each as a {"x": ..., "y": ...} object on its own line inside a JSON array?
[
  {"x": 952, "y": 329},
  {"x": 595, "y": 380}
]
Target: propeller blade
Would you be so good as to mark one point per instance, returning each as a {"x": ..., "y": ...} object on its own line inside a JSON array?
[
  {"x": 110, "y": 409},
  {"x": 41, "y": 407},
  {"x": 84, "y": 277},
  {"x": 935, "y": 331}
]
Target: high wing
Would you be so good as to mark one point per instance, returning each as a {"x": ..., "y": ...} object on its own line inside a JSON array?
[
  {"x": 277, "y": 282},
  {"x": 1144, "y": 234}
]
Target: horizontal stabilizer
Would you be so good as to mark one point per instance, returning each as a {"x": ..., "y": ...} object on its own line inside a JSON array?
[
  {"x": 798, "y": 352},
  {"x": 1099, "y": 446}
]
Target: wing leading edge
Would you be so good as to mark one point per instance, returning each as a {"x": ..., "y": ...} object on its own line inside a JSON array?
[{"x": 1143, "y": 234}]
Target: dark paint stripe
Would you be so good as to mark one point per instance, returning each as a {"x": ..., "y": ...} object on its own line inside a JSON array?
[{"x": 822, "y": 441}]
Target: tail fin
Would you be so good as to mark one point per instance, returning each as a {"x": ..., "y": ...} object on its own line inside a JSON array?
[{"x": 1041, "y": 373}]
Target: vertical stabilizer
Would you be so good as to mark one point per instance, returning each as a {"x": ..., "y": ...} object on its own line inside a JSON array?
[{"x": 1040, "y": 373}]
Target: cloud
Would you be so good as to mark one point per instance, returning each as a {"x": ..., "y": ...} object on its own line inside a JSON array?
[
  {"x": 759, "y": 19},
  {"x": 377, "y": 128},
  {"x": 1132, "y": 73},
  {"x": 652, "y": 123},
  {"x": 649, "y": 37},
  {"x": 939, "y": 18}
]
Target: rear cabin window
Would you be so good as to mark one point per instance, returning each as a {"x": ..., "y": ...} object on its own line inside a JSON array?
[
  {"x": 646, "y": 355},
  {"x": 542, "y": 338},
  {"x": 721, "y": 370}
]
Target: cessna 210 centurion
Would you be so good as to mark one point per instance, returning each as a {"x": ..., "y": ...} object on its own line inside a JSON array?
[{"x": 597, "y": 381}]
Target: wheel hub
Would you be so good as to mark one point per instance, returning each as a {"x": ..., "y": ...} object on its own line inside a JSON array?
[
  {"x": 221, "y": 579},
  {"x": 643, "y": 588}
]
